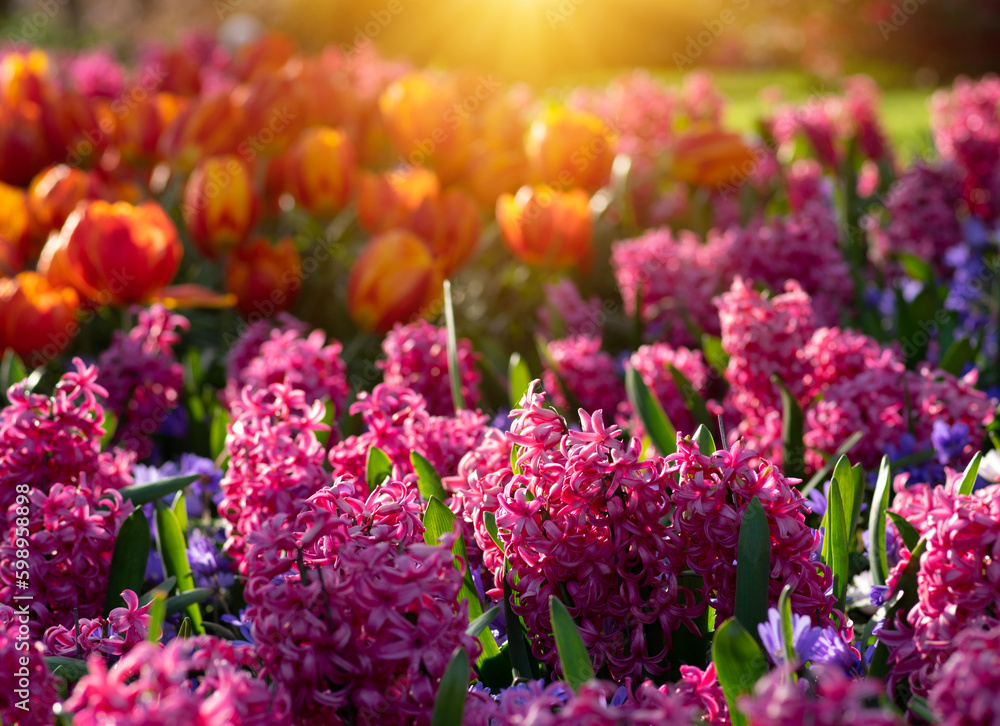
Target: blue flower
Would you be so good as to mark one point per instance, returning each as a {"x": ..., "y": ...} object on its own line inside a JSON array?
[
  {"x": 811, "y": 644},
  {"x": 207, "y": 565},
  {"x": 242, "y": 624},
  {"x": 949, "y": 441}
]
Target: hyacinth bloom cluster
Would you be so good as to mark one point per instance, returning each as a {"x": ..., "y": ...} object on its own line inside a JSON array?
[
  {"x": 845, "y": 381},
  {"x": 351, "y": 612},
  {"x": 142, "y": 377},
  {"x": 247, "y": 346},
  {"x": 32, "y": 698},
  {"x": 200, "y": 680},
  {"x": 966, "y": 125},
  {"x": 416, "y": 357},
  {"x": 581, "y": 511},
  {"x": 275, "y": 461},
  {"x": 711, "y": 492},
  {"x": 566, "y": 313},
  {"x": 289, "y": 356},
  {"x": 922, "y": 207},
  {"x": 958, "y": 583},
  {"x": 968, "y": 689},
  {"x": 398, "y": 423},
  {"x": 829, "y": 698},
  {"x": 652, "y": 362},
  {"x": 124, "y": 628},
  {"x": 590, "y": 374},
  {"x": 50, "y": 456}
]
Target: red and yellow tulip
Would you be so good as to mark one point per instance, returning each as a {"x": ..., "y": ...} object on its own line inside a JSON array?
[
  {"x": 707, "y": 156},
  {"x": 219, "y": 205},
  {"x": 568, "y": 148},
  {"x": 543, "y": 226},
  {"x": 37, "y": 319},
  {"x": 265, "y": 278},
  {"x": 319, "y": 170}
]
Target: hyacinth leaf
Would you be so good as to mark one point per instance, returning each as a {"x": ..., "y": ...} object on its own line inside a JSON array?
[
  {"x": 184, "y": 631},
  {"x": 958, "y": 354},
  {"x": 854, "y": 512},
  {"x": 844, "y": 477},
  {"x": 218, "y": 431},
  {"x": 916, "y": 268},
  {"x": 971, "y": 472},
  {"x": 787, "y": 626},
  {"x": 907, "y": 589},
  {"x": 140, "y": 494},
  {"x": 157, "y": 614},
  {"x": 378, "y": 468},
  {"x": 706, "y": 443},
  {"x": 179, "y": 508},
  {"x": 175, "y": 560},
  {"x": 69, "y": 669},
  {"x": 520, "y": 661},
  {"x": 876, "y": 524},
  {"x": 128, "y": 561},
  {"x": 477, "y": 625},
  {"x": 165, "y": 587},
  {"x": 179, "y": 603},
  {"x": 824, "y": 473},
  {"x": 573, "y": 656},
  {"x": 12, "y": 370},
  {"x": 907, "y": 532},
  {"x": 110, "y": 426},
  {"x": 428, "y": 481},
  {"x": 454, "y": 372},
  {"x": 490, "y": 521},
  {"x": 715, "y": 354},
  {"x": 520, "y": 378},
  {"x": 449, "y": 704},
  {"x": 793, "y": 446},
  {"x": 753, "y": 567},
  {"x": 919, "y": 706},
  {"x": 329, "y": 416},
  {"x": 910, "y": 315},
  {"x": 693, "y": 401},
  {"x": 739, "y": 664},
  {"x": 835, "y": 539},
  {"x": 658, "y": 427}
]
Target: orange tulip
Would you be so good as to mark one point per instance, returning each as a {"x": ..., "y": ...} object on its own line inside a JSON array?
[
  {"x": 207, "y": 127},
  {"x": 421, "y": 116},
  {"x": 450, "y": 226},
  {"x": 24, "y": 77},
  {"x": 15, "y": 220},
  {"x": 120, "y": 254},
  {"x": 23, "y": 148},
  {"x": 73, "y": 129},
  {"x": 568, "y": 148},
  {"x": 709, "y": 156},
  {"x": 320, "y": 170},
  {"x": 138, "y": 132},
  {"x": 393, "y": 280},
  {"x": 277, "y": 110},
  {"x": 37, "y": 320},
  {"x": 542, "y": 226},
  {"x": 54, "y": 194},
  {"x": 219, "y": 207},
  {"x": 265, "y": 278},
  {"x": 389, "y": 200}
]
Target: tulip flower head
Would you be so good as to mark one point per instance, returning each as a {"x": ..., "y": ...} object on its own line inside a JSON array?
[{"x": 542, "y": 226}]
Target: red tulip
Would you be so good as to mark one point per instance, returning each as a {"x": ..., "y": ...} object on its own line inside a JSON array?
[
  {"x": 320, "y": 169},
  {"x": 709, "y": 156},
  {"x": 219, "y": 207},
  {"x": 542, "y": 226},
  {"x": 37, "y": 319},
  {"x": 265, "y": 278},
  {"x": 54, "y": 194},
  {"x": 568, "y": 148}
]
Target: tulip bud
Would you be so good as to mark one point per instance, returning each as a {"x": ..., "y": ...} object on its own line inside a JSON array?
[
  {"x": 568, "y": 148},
  {"x": 219, "y": 207},
  {"x": 265, "y": 278},
  {"x": 709, "y": 156},
  {"x": 120, "y": 254},
  {"x": 542, "y": 226},
  {"x": 54, "y": 194},
  {"x": 320, "y": 170},
  {"x": 37, "y": 320},
  {"x": 393, "y": 279}
]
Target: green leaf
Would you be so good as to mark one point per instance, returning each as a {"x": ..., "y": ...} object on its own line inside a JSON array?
[
  {"x": 179, "y": 508},
  {"x": 844, "y": 477},
  {"x": 753, "y": 567},
  {"x": 184, "y": 631},
  {"x": 140, "y": 494},
  {"x": 520, "y": 661},
  {"x": 175, "y": 560},
  {"x": 165, "y": 587},
  {"x": 520, "y": 378},
  {"x": 12, "y": 370},
  {"x": 739, "y": 664},
  {"x": 907, "y": 532},
  {"x": 110, "y": 426},
  {"x": 971, "y": 472},
  {"x": 706, "y": 442},
  {"x": 794, "y": 449},
  {"x": 916, "y": 268},
  {"x": 715, "y": 354},
  {"x": 428, "y": 481},
  {"x": 835, "y": 539},
  {"x": 854, "y": 512},
  {"x": 218, "y": 431},
  {"x": 918, "y": 705},
  {"x": 693, "y": 400},
  {"x": 450, "y": 702},
  {"x": 490, "y": 520},
  {"x": 128, "y": 561},
  {"x": 958, "y": 354},
  {"x": 876, "y": 523},
  {"x": 378, "y": 468},
  {"x": 181, "y": 602},
  {"x": 823, "y": 474},
  {"x": 573, "y": 656},
  {"x": 477, "y": 625},
  {"x": 906, "y": 586},
  {"x": 70, "y": 669},
  {"x": 157, "y": 614},
  {"x": 454, "y": 372},
  {"x": 787, "y": 626},
  {"x": 658, "y": 427},
  {"x": 329, "y": 416}
]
